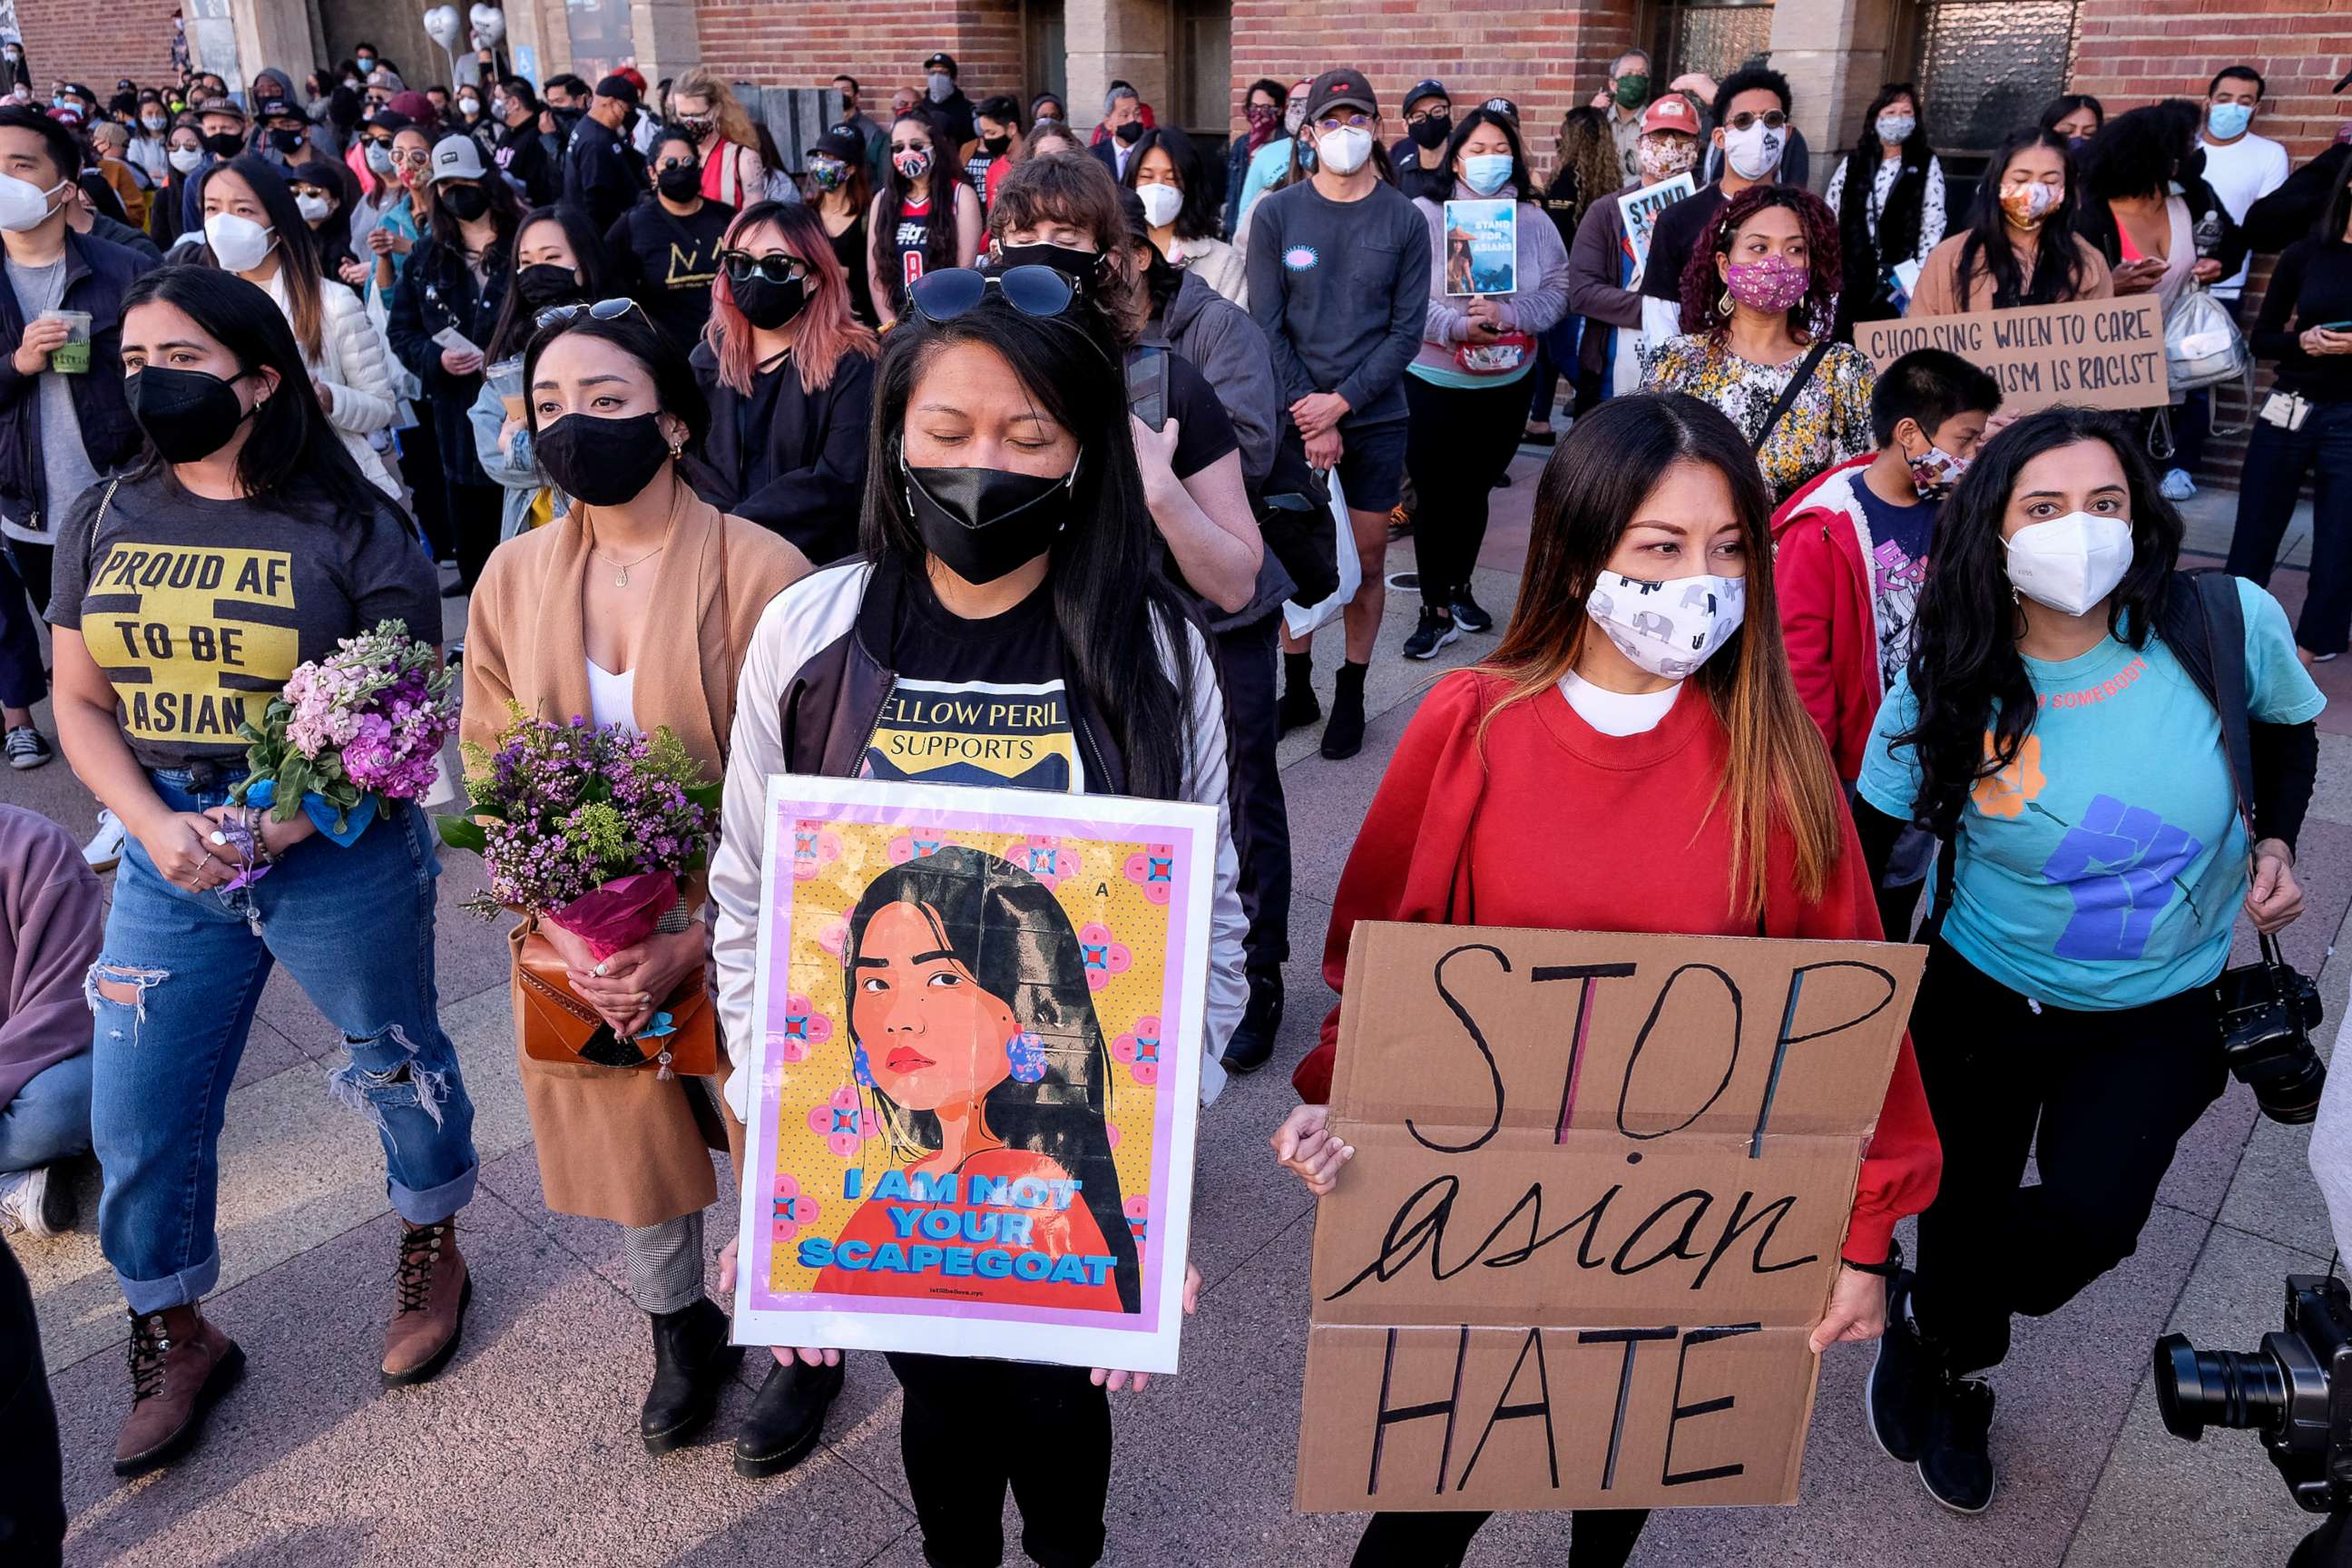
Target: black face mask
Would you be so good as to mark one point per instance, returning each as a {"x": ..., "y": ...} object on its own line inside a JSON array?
[
  {"x": 604, "y": 462},
  {"x": 466, "y": 203},
  {"x": 768, "y": 305},
  {"x": 982, "y": 524},
  {"x": 1130, "y": 132},
  {"x": 228, "y": 145},
  {"x": 546, "y": 284},
  {"x": 1082, "y": 267},
  {"x": 188, "y": 414},
  {"x": 996, "y": 144},
  {"x": 1432, "y": 131},
  {"x": 679, "y": 182},
  {"x": 287, "y": 142}
]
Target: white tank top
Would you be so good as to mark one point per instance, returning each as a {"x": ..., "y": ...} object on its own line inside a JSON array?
[{"x": 612, "y": 698}]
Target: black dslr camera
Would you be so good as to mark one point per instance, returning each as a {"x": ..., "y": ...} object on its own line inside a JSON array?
[
  {"x": 2268, "y": 1011},
  {"x": 2296, "y": 1392}
]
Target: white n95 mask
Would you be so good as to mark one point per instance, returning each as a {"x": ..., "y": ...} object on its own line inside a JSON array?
[{"x": 2070, "y": 563}]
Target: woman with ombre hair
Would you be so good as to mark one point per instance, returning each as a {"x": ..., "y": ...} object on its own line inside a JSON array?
[{"x": 790, "y": 375}]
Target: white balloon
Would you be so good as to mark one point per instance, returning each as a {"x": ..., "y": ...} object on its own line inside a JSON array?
[
  {"x": 441, "y": 25},
  {"x": 489, "y": 26}
]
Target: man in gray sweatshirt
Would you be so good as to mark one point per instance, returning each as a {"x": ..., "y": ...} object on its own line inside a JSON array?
[{"x": 1339, "y": 280}]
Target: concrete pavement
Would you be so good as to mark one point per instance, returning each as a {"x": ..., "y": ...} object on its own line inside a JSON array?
[{"x": 524, "y": 1451}]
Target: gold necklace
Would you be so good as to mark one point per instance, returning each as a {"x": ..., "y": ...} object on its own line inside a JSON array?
[{"x": 621, "y": 576}]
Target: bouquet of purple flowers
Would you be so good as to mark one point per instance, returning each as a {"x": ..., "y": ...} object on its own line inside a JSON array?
[
  {"x": 363, "y": 725},
  {"x": 591, "y": 828}
]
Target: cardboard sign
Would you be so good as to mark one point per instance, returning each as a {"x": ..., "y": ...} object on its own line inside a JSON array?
[
  {"x": 2093, "y": 353},
  {"x": 975, "y": 1071},
  {"x": 1640, "y": 210},
  {"x": 1482, "y": 246},
  {"x": 1599, "y": 1189}
]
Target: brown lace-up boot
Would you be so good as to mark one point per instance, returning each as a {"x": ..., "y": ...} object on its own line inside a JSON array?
[
  {"x": 180, "y": 1364},
  {"x": 430, "y": 1290}
]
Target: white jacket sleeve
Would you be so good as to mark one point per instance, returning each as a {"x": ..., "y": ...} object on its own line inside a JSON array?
[{"x": 358, "y": 366}]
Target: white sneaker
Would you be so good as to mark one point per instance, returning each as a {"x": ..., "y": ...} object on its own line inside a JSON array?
[
  {"x": 104, "y": 850},
  {"x": 2177, "y": 485},
  {"x": 32, "y": 1203}
]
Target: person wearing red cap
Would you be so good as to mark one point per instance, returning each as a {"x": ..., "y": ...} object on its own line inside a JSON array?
[{"x": 1603, "y": 280}]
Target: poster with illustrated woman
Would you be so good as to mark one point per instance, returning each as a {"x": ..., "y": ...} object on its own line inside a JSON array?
[{"x": 975, "y": 1075}]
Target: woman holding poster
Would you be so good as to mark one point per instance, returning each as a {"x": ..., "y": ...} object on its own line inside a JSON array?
[
  {"x": 1642, "y": 678},
  {"x": 1007, "y": 624},
  {"x": 1466, "y": 390}
]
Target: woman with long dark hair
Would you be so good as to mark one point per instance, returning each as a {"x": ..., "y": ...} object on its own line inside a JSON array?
[
  {"x": 964, "y": 1108},
  {"x": 845, "y": 194},
  {"x": 1166, "y": 171},
  {"x": 1584, "y": 720},
  {"x": 790, "y": 377},
  {"x": 558, "y": 260},
  {"x": 1764, "y": 276},
  {"x": 444, "y": 310},
  {"x": 2052, "y": 731},
  {"x": 251, "y": 503},
  {"x": 1888, "y": 195},
  {"x": 924, "y": 219},
  {"x": 254, "y": 228},
  {"x": 1007, "y": 545},
  {"x": 633, "y": 608},
  {"x": 2020, "y": 248}
]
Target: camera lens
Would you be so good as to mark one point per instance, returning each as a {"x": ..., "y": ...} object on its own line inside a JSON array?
[
  {"x": 2287, "y": 1086},
  {"x": 2196, "y": 1389}
]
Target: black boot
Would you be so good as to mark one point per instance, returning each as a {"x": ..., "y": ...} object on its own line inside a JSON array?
[
  {"x": 1252, "y": 1038},
  {"x": 786, "y": 1418},
  {"x": 1297, "y": 708},
  {"x": 692, "y": 1361},
  {"x": 1343, "y": 732}
]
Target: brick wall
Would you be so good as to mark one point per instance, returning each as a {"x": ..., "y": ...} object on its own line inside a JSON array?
[
  {"x": 798, "y": 43},
  {"x": 1546, "y": 58},
  {"x": 97, "y": 42},
  {"x": 2130, "y": 53}
]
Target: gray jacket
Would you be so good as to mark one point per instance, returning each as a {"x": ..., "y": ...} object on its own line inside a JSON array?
[{"x": 1226, "y": 347}]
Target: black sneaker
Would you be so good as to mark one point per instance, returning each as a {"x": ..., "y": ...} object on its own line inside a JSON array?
[
  {"x": 1252, "y": 1044},
  {"x": 1903, "y": 1380},
  {"x": 25, "y": 747},
  {"x": 1433, "y": 633},
  {"x": 1297, "y": 708},
  {"x": 1955, "y": 1462},
  {"x": 1469, "y": 615},
  {"x": 1343, "y": 732}
]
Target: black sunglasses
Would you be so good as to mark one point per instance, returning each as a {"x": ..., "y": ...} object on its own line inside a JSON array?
[
  {"x": 1034, "y": 290},
  {"x": 742, "y": 266},
  {"x": 602, "y": 310}
]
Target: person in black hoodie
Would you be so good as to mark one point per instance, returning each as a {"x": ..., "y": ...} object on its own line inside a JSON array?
[
  {"x": 666, "y": 248},
  {"x": 598, "y": 166},
  {"x": 789, "y": 373},
  {"x": 516, "y": 147},
  {"x": 443, "y": 309}
]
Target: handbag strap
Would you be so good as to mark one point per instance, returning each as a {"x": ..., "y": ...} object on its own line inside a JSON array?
[{"x": 1787, "y": 398}]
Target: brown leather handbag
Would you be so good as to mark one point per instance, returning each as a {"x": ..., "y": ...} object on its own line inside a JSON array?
[{"x": 556, "y": 1026}]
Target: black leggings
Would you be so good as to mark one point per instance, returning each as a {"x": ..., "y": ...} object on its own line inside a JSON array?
[
  {"x": 971, "y": 1427},
  {"x": 1459, "y": 442},
  {"x": 2100, "y": 1099},
  {"x": 1600, "y": 1537},
  {"x": 1245, "y": 664}
]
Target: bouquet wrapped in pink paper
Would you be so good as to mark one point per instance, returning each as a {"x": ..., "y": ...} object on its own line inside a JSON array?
[
  {"x": 363, "y": 725},
  {"x": 590, "y": 829}
]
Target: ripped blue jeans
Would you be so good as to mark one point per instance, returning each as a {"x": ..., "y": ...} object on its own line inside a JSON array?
[{"x": 173, "y": 996}]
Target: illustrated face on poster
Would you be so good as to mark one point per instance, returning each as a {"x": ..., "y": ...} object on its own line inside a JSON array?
[{"x": 973, "y": 1113}]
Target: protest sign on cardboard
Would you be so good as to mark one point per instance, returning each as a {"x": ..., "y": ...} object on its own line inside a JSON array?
[
  {"x": 976, "y": 1071},
  {"x": 1599, "y": 1189},
  {"x": 2093, "y": 353}
]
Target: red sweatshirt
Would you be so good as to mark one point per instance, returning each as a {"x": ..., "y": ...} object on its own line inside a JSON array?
[
  {"x": 1829, "y": 618},
  {"x": 1493, "y": 842}
]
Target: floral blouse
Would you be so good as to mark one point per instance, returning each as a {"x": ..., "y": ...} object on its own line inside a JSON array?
[{"x": 1828, "y": 422}]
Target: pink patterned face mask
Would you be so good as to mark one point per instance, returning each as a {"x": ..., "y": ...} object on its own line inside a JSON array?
[{"x": 1772, "y": 284}]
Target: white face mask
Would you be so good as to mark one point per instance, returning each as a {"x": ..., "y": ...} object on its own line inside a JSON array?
[
  {"x": 24, "y": 206},
  {"x": 238, "y": 244},
  {"x": 1160, "y": 204},
  {"x": 312, "y": 208},
  {"x": 2070, "y": 563},
  {"x": 1754, "y": 153},
  {"x": 185, "y": 158},
  {"x": 1343, "y": 151},
  {"x": 1668, "y": 629}
]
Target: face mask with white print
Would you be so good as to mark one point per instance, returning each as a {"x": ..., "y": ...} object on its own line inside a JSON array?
[
  {"x": 2072, "y": 562},
  {"x": 1896, "y": 127},
  {"x": 1934, "y": 471},
  {"x": 1755, "y": 152},
  {"x": 1668, "y": 629},
  {"x": 1343, "y": 151},
  {"x": 1293, "y": 116}
]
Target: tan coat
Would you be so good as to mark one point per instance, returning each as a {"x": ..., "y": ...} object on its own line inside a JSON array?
[
  {"x": 623, "y": 1145},
  {"x": 1938, "y": 293}
]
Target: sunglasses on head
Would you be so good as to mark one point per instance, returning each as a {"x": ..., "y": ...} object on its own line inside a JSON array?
[
  {"x": 1041, "y": 291},
  {"x": 602, "y": 310},
  {"x": 742, "y": 266}
]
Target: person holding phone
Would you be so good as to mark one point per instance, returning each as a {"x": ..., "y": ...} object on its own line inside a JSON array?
[{"x": 2305, "y": 426}]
